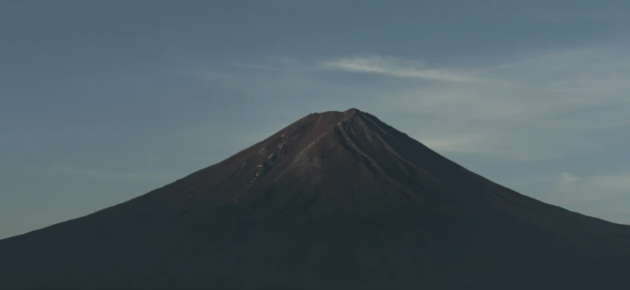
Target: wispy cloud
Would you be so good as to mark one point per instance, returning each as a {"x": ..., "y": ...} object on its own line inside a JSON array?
[
  {"x": 393, "y": 67},
  {"x": 540, "y": 112},
  {"x": 568, "y": 178},
  {"x": 574, "y": 192},
  {"x": 532, "y": 108},
  {"x": 605, "y": 196},
  {"x": 528, "y": 108}
]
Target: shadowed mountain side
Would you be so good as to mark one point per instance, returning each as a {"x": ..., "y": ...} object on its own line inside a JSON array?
[{"x": 337, "y": 200}]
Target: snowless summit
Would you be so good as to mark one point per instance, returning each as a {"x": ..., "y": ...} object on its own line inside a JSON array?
[{"x": 336, "y": 200}]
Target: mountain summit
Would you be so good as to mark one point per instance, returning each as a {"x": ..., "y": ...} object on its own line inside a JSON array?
[{"x": 336, "y": 200}]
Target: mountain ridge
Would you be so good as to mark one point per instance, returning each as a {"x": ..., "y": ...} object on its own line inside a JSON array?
[{"x": 336, "y": 200}]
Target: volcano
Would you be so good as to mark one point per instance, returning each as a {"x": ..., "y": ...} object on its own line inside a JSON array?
[{"x": 336, "y": 200}]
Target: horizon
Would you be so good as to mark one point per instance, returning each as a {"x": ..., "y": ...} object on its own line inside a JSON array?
[{"x": 103, "y": 101}]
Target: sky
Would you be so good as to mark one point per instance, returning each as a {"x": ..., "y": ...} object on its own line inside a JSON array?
[{"x": 104, "y": 100}]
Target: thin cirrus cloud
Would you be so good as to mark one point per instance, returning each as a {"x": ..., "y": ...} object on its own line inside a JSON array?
[
  {"x": 393, "y": 67},
  {"x": 527, "y": 108},
  {"x": 568, "y": 178},
  {"x": 534, "y": 106},
  {"x": 591, "y": 188}
]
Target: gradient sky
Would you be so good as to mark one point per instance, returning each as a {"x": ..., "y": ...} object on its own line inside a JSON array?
[{"x": 104, "y": 100}]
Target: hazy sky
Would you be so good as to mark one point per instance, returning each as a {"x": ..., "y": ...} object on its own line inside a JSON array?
[{"x": 104, "y": 100}]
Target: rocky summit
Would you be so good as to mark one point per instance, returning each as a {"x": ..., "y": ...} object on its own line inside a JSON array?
[{"x": 336, "y": 200}]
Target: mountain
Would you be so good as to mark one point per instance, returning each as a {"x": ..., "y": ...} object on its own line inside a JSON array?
[{"x": 336, "y": 200}]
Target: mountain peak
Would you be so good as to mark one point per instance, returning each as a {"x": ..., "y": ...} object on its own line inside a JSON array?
[
  {"x": 352, "y": 111},
  {"x": 338, "y": 115},
  {"x": 336, "y": 200}
]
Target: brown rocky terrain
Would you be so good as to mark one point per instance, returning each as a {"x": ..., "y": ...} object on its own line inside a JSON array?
[{"x": 336, "y": 200}]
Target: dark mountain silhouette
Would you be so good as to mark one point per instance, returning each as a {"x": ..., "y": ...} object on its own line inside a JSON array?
[{"x": 337, "y": 200}]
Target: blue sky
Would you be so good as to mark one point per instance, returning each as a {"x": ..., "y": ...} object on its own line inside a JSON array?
[{"x": 101, "y": 101}]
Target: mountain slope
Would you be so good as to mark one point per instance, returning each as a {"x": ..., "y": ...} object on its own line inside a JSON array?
[{"x": 337, "y": 200}]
